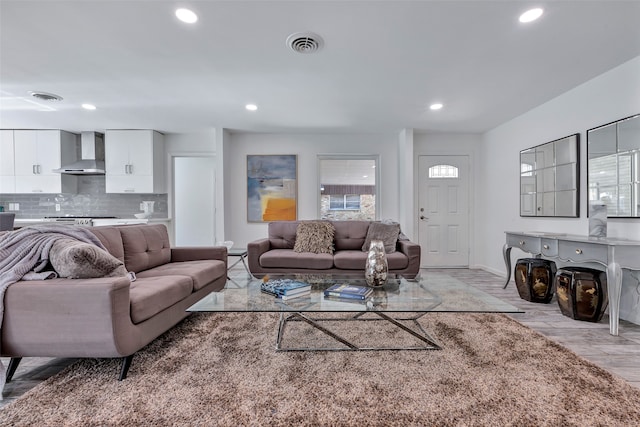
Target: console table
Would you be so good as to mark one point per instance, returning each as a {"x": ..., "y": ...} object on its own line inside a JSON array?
[{"x": 614, "y": 254}]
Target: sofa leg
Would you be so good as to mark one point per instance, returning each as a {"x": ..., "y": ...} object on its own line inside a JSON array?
[
  {"x": 11, "y": 369},
  {"x": 126, "y": 363}
]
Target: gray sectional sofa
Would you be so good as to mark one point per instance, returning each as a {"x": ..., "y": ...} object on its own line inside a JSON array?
[
  {"x": 275, "y": 254},
  {"x": 110, "y": 317}
]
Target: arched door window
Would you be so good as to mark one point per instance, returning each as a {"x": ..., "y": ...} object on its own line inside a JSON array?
[{"x": 443, "y": 171}]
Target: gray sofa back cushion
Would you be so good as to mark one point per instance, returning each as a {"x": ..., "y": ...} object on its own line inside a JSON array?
[
  {"x": 145, "y": 246},
  {"x": 282, "y": 234},
  {"x": 350, "y": 235}
]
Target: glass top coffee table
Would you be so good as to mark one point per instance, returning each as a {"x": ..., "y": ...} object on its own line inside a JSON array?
[{"x": 399, "y": 302}]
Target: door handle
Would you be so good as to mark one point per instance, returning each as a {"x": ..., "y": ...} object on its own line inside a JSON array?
[{"x": 424, "y": 218}]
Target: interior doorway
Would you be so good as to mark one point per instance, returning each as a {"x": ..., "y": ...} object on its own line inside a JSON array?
[
  {"x": 194, "y": 200},
  {"x": 443, "y": 209}
]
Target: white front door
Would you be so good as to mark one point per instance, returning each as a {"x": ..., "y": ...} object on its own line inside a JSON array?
[{"x": 443, "y": 209}]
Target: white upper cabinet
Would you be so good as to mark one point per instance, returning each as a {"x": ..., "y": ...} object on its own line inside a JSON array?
[
  {"x": 7, "y": 169},
  {"x": 134, "y": 161},
  {"x": 36, "y": 154}
]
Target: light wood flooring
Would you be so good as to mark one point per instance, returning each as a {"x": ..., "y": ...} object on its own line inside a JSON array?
[{"x": 619, "y": 355}]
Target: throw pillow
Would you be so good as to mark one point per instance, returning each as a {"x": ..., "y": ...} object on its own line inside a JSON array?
[
  {"x": 388, "y": 233},
  {"x": 78, "y": 260},
  {"x": 315, "y": 237}
]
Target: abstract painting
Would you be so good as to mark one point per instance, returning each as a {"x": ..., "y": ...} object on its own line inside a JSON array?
[{"x": 272, "y": 188}]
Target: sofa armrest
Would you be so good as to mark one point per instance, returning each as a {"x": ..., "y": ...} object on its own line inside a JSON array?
[
  {"x": 413, "y": 252},
  {"x": 196, "y": 253},
  {"x": 254, "y": 250},
  {"x": 71, "y": 317}
]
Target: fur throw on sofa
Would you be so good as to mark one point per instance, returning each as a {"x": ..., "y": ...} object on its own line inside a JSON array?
[{"x": 79, "y": 260}]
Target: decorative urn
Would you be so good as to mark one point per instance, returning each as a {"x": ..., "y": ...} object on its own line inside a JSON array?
[{"x": 376, "y": 269}]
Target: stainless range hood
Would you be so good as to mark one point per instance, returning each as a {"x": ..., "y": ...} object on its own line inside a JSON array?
[{"x": 92, "y": 156}]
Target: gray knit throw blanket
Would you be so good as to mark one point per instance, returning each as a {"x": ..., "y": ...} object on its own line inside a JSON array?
[{"x": 23, "y": 249}]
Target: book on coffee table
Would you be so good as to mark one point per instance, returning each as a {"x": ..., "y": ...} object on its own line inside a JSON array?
[
  {"x": 295, "y": 295},
  {"x": 284, "y": 287},
  {"x": 346, "y": 291}
]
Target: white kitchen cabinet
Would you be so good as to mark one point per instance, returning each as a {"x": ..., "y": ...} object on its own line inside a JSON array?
[
  {"x": 7, "y": 169},
  {"x": 134, "y": 161},
  {"x": 36, "y": 154}
]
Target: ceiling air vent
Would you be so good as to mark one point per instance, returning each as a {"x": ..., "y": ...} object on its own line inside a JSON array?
[
  {"x": 304, "y": 42},
  {"x": 45, "y": 96}
]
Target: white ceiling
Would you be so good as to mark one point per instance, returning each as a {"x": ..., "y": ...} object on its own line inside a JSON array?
[{"x": 382, "y": 65}]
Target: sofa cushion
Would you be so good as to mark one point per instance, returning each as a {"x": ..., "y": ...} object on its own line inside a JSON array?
[
  {"x": 287, "y": 258},
  {"x": 150, "y": 295},
  {"x": 282, "y": 234},
  {"x": 145, "y": 246},
  {"x": 356, "y": 260},
  {"x": 201, "y": 272},
  {"x": 350, "y": 259},
  {"x": 315, "y": 237},
  {"x": 350, "y": 234},
  {"x": 74, "y": 259},
  {"x": 387, "y": 233},
  {"x": 397, "y": 260}
]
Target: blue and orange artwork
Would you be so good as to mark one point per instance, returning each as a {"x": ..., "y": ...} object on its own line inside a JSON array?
[{"x": 271, "y": 188}]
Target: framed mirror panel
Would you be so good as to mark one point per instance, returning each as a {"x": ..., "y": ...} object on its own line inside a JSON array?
[
  {"x": 613, "y": 152},
  {"x": 549, "y": 178}
]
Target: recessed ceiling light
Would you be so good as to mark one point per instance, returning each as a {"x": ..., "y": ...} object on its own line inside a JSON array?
[
  {"x": 251, "y": 107},
  {"x": 365, "y": 176},
  {"x": 436, "y": 106},
  {"x": 186, "y": 15},
  {"x": 88, "y": 106},
  {"x": 531, "y": 15}
]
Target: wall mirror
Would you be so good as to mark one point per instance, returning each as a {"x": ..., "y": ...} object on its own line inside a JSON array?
[
  {"x": 613, "y": 151},
  {"x": 549, "y": 178},
  {"x": 348, "y": 187}
]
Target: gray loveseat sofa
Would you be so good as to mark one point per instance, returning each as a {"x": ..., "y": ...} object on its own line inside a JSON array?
[
  {"x": 111, "y": 316},
  {"x": 275, "y": 254}
]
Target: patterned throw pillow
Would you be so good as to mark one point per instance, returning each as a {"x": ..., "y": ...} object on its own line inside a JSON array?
[
  {"x": 388, "y": 233},
  {"x": 315, "y": 237},
  {"x": 78, "y": 260}
]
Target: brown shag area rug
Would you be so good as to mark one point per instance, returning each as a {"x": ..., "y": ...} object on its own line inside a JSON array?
[{"x": 222, "y": 370}]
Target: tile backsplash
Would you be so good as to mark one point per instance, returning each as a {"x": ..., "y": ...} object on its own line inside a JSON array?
[{"x": 91, "y": 200}]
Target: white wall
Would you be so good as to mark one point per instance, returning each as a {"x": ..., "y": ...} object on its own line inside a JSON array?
[
  {"x": 406, "y": 180},
  {"x": 201, "y": 142},
  {"x": 606, "y": 98},
  {"x": 306, "y": 147}
]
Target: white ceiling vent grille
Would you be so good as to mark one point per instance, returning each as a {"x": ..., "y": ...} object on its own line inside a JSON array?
[
  {"x": 305, "y": 42},
  {"x": 45, "y": 96}
]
